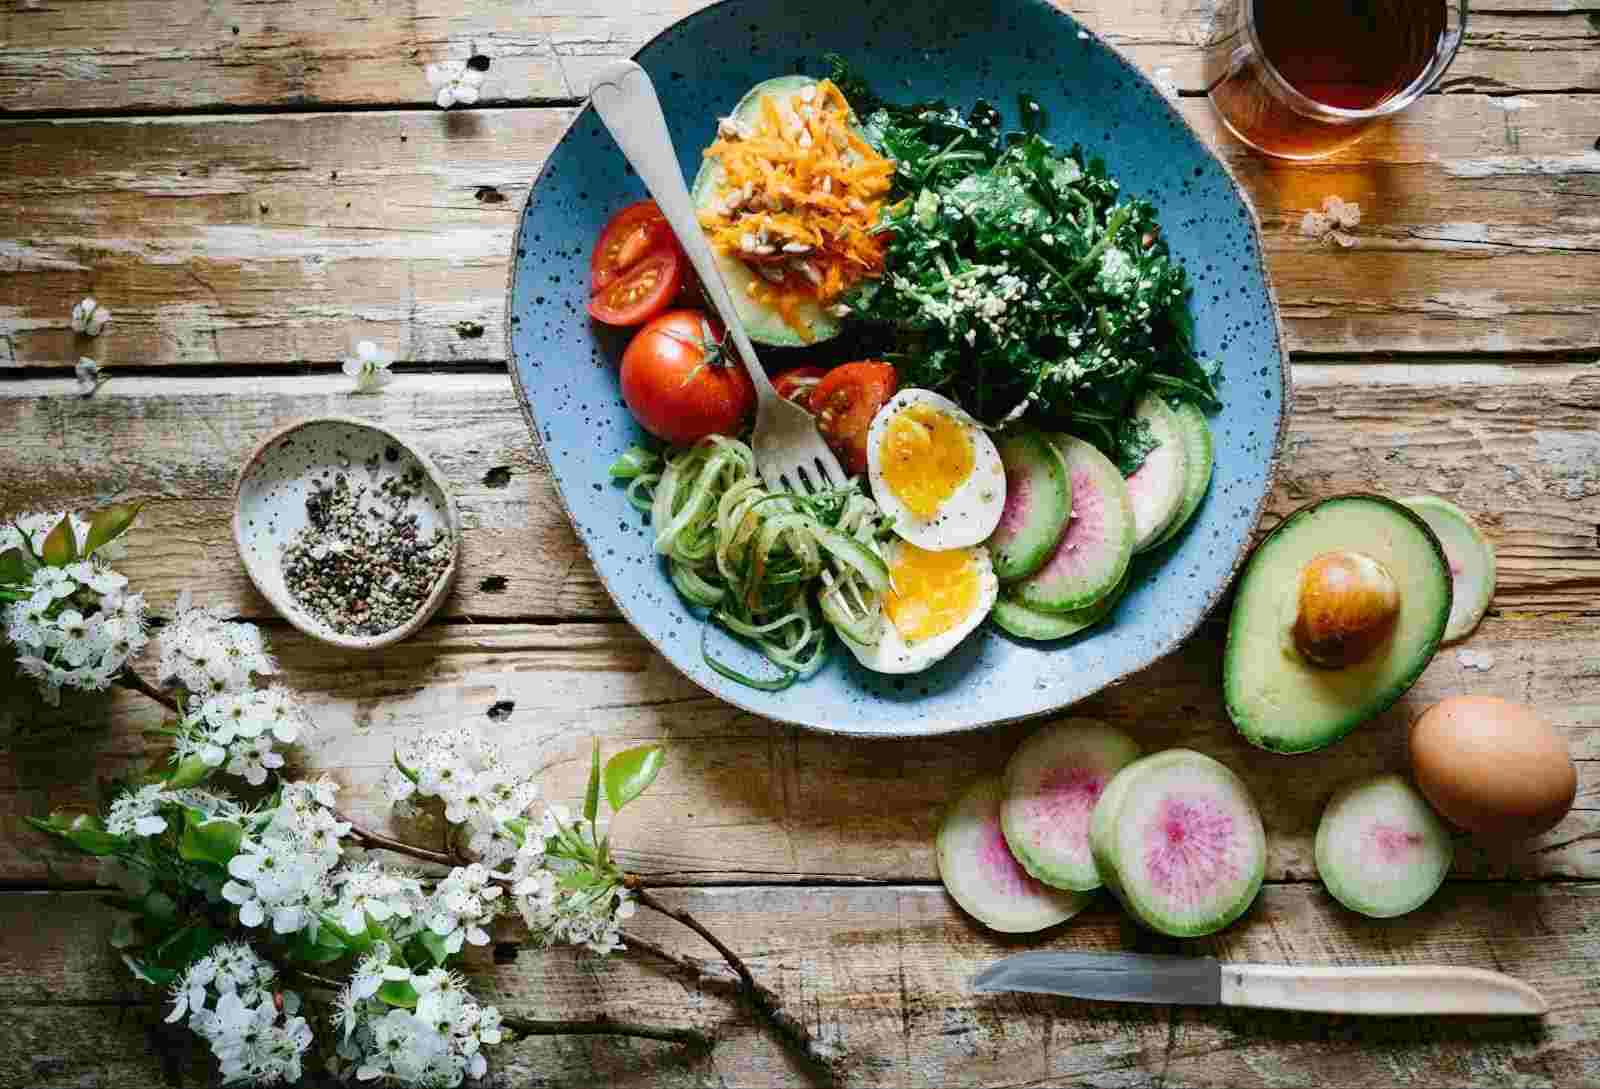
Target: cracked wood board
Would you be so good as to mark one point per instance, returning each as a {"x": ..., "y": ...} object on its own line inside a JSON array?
[
  {"x": 1518, "y": 445},
  {"x": 741, "y": 799},
  {"x": 280, "y": 239},
  {"x": 881, "y": 972},
  {"x": 315, "y": 54}
]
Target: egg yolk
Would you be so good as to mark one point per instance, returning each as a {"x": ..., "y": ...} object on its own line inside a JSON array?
[
  {"x": 925, "y": 455},
  {"x": 930, "y": 592}
]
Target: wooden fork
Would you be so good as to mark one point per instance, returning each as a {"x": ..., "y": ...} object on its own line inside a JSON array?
[{"x": 790, "y": 454}]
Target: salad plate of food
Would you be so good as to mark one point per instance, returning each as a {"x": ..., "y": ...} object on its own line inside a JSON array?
[{"x": 1024, "y": 304}]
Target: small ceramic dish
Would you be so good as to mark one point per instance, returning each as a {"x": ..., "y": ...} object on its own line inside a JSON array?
[{"x": 269, "y": 510}]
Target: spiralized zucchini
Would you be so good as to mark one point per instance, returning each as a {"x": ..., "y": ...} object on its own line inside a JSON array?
[{"x": 770, "y": 566}]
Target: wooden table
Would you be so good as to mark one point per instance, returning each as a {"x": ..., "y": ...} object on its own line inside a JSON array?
[{"x": 252, "y": 186}]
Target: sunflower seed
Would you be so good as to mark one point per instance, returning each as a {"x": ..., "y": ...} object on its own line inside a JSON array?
[
  {"x": 809, "y": 271},
  {"x": 796, "y": 247},
  {"x": 766, "y": 250},
  {"x": 748, "y": 243},
  {"x": 770, "y": 273},
  {"x": 839, "y": 310}
]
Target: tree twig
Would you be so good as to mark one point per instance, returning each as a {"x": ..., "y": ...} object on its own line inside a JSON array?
[
  {"x": 368, "y": 838},
  {"x": 522, "y": 1027},
  {"x": 131, "y": 680},
  {"x": 828, "y": 1061}
]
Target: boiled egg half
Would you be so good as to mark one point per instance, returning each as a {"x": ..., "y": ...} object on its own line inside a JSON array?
[
  {"x": 934, "y": 601},
  {"x": 934, "y": 471}
]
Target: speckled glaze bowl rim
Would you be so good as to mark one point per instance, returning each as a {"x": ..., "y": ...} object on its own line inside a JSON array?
[
  {"x": 926, "y": 727},
  {"x": 293, "y": 613}
]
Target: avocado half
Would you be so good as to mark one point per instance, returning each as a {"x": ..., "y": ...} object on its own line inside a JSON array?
[
  {"x": 763, "y": 323},
  {"x": 1279, "y": 700}
]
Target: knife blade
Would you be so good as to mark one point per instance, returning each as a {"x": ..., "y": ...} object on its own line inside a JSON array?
[{"x": 1201, "y": 981}]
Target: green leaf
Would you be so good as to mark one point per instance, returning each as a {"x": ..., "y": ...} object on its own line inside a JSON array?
[
  {"x": 398, "y": 992},
  {"x": 190, "y": 771},
  {"x": 15, "y": 567},
  {"x": 85, "y": 832},
  {"x": 186, "y": 945},
  {"x": 591, "y": 798},
  {"x": 61, "y": 546},
  {"x": 438, "y": 952},
  {"x": 518, "y": 827},
  {"x": 326, "y": 947},
  {"x": 629, "y": 773},
  {"x": 158, "y": 905},
  {"x": 407, "y": 772},
  {"x": 109, "y": 523},
  {"x": 149, "y": 973},
  {"x": 214, "y": 841}
]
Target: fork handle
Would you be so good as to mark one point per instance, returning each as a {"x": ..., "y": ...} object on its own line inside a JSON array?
[{"x": 622, "y": 94}]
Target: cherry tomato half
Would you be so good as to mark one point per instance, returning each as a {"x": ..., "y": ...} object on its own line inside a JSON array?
[
  {"x": 642, "y": 291},
  {"x": 679, "y": 382},
  {"x": 796, "y": 384},
  {"x": 627, "y": 237},
  {"x": 844, "y": 403}
]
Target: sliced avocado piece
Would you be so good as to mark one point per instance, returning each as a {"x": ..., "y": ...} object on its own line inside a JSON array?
[
  {"x": 1278, "y": 698},
  {"x": 764, "y": 324}
]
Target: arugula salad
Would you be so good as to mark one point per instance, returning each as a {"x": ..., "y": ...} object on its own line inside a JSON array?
[{"x": 1032, "y": 416}]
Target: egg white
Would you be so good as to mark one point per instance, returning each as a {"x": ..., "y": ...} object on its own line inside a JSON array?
[
  {"x": 973, "y": 510},
  {"x": 892, "y": 654}
]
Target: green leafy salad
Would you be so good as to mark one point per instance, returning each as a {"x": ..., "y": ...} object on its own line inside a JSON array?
[{"x": 1019, "y": 281}]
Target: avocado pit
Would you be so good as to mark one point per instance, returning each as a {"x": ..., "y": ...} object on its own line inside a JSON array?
[{"x": 1348, "y": 605}]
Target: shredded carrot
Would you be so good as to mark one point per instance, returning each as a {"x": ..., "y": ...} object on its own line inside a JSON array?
[{"x": 799, "y": 177}]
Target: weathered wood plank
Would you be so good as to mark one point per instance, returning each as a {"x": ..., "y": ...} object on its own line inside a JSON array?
[
  {"x": 126, "y": 55},
  {"x": 744, "y": 800},
  {"x": 279, "y": 239},
  {"x": 1517, "y": 444},
  {"x": 883, "y": 972}
]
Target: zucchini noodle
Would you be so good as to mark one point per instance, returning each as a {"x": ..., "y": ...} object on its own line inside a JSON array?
[{"x": 774, "y": 568}]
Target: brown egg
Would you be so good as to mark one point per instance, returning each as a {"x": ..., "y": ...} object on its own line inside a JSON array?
[{"x": 1492, "y": 767}]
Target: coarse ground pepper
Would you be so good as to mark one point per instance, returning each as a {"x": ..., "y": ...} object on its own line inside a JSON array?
[{"x": 362, "y": 565}]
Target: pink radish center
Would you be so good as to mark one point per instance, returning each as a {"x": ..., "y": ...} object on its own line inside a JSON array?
[
  {"x": 1188, "y": 849},
  {"x": 1393, "y": 844},
  {"x": 998, "y": 866},
  {"x": 1084, "y": 528},
  {"x": 1018, "y": 500},
  {"x": 1064, "y": 804}
]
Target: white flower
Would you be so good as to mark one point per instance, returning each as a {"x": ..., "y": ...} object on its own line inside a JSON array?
[
  {"x": 454, "y": 83},
  {"x": 589, "y": 917},
  {"x": 460, "y": 904},
  {"x": 209, "y": 656},
  {"x": 89, "y": 317},
  {"x": 89, "y": 377},
  {"x": 137, "y": 812},
  {"x": 371, "y": 890},
  {"x": 369, "y": 366},
  {"x": 252, "y": 760},
  {"x": 240, "y": 728},
  {"x": 283, "y": 867},
  {"x": 437, "y": 1044}
]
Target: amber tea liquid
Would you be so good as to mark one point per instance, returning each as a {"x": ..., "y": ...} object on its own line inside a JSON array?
[{"x": 1344, "y": 54}]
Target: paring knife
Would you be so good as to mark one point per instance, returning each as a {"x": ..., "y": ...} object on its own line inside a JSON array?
[{"x": 1201, "y": 981}]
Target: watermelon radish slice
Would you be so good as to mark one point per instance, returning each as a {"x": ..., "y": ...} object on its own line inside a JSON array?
[
  {"x": 980, "y": 874},
  {"x": 1471, "y": 560},
  {"x": 1178, "y": 839},
  {"x": 1095, "y": 549},
  {"x": 1381, "y": 849},
  {"x": 1018, "y": 620},
  {"x": 1038, "y": 503},
  {"x": 1157, "y": 486},
  {"x": 1052, "y": 784},
  {"x": 1196, "y": 434}
]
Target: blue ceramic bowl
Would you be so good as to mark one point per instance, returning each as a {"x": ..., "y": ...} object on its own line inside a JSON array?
[{"x": 565, "y": 367}]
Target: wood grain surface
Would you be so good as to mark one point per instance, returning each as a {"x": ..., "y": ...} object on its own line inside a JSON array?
[{"x": 250, "y": 187}]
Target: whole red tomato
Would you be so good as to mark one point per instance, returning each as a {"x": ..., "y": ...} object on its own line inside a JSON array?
[{"x": 679, "y": 381}]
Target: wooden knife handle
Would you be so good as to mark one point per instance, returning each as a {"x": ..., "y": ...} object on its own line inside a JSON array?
[{"x": 1380, "y": 991}]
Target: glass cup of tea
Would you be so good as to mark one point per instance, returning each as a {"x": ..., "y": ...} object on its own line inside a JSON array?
[{"x": 1301, "y": 79}]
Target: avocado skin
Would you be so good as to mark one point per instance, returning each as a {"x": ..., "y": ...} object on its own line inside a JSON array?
[{"x": 1242, "y": 714}]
